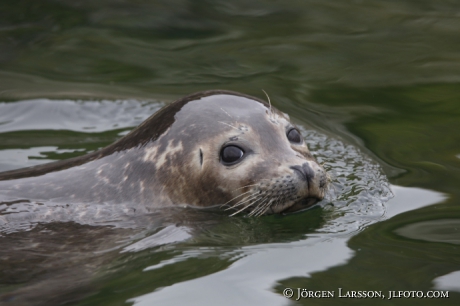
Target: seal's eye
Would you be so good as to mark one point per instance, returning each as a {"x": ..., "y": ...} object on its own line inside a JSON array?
[
  {"x": 231, "y": 154},
  {"x": 294, "y": 136}
]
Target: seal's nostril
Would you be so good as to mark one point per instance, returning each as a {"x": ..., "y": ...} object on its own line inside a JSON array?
[
  {"x": 299, "y": 171},
  {"x": 305, "y": 172},
  {"x": 309, "y": 173}
]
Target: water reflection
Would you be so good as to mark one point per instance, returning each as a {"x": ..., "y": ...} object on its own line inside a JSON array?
[
  {"x": 256, "y": 270},
  {"x": 78, "y": 116},
  {"x": 441, "y": 230},
  {"x": 449, "y": 281}
]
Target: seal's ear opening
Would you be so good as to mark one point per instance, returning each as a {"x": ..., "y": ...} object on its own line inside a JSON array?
[{"x": 201, "y": 157}]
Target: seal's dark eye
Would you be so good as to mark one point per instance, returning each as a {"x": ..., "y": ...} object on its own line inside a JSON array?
[
  {"x": 294, "y": 136},
  {"x": 231, "y": 154}
]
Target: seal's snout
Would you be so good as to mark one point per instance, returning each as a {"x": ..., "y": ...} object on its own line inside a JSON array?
[{"x": 305, "y": 172}]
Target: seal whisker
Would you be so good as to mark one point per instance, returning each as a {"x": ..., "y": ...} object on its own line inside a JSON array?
[
  {"x": 245, "y": 187},
  {"x": 241, "y": 202},
  {"x": 263, "y": 208},
  {"x": 260, "y": 200},
  {"x": 245, "y": 207},
  {"x": 269, "y": 103},
  {"x": 226, "y": 113},
  {"x": 269, "y": 204},
  {"x": 251, "y": 185},
  {"x": 261, "y": 204},
  {"x": 229, "y": 125},
  {"x": 259, "y": 208},
  {"x": 236, "y": 197},
  {"x": 244, "y": 192}
]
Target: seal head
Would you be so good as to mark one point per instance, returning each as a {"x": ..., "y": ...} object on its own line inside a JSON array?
[{"x": 236, "y": 150}]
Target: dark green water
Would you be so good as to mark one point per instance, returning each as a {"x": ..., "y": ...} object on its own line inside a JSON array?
[{"x": 381, "y": 76}]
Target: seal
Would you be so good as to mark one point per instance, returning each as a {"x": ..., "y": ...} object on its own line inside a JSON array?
[{"x": 210, "y": 148}]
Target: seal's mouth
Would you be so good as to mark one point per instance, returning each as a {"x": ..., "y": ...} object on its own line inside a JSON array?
[{"x": 301, "y": 205}]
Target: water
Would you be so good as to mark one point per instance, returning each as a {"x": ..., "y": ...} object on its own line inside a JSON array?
[{"x": 374, "y": 86}]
